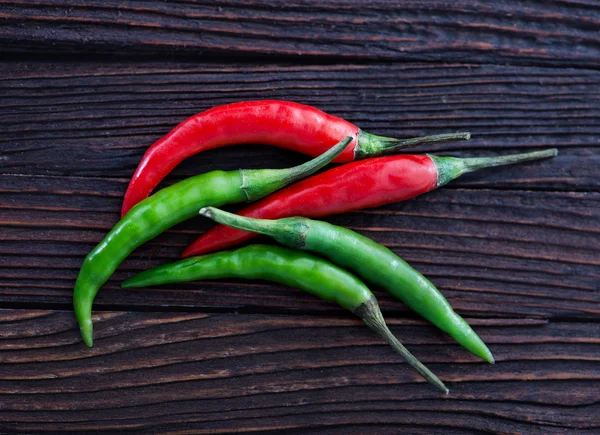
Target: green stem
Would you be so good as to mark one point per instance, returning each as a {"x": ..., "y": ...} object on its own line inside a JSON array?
[
  {"x": 370, "y": 145},
  {"x": 450, "y": 168},
  {"x": 476, "y": 163},
  {"x": 260, "y": 226},
  {"x": 258, "y": 183},
  {"x": 307, "y": 168},
  {"x": 370, "y": 313},
  {"x": 290, "y": 232}
]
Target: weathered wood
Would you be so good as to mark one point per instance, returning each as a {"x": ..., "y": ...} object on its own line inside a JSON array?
[
  {"x": 492, "y": 252},
  {"x": 561, "y": 33},
  {"x": 515, "y": 249},
  {"x": 150, "y": 371},
  {"x": 91, "y": 119}
]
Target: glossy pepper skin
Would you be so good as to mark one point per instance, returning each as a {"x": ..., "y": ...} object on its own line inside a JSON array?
[
  {"x": 283, "y": 124},
  {"x": 169, "y": 207},
  {"x": 290, "y": 267},
  {"x": 369, "y": 260},
  {"x": 354, "y": 186}
]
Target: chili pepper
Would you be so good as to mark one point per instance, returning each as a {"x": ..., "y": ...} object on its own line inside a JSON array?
[
  {"x": 356, "y": 185},
  {"x": 292, "y": 268},
  {"x": 279, "y": 123},
  {"x": 369, "y": 260},
  {"x": 170, "y": 206}
]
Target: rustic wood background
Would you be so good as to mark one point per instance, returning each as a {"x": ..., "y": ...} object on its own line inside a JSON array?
[{"x": 87, "y": 85}]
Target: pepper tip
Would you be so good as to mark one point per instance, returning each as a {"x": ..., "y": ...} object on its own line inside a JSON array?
[
  {"x": 88, "y": 340},
  {"x": 487, "y": 356},
  {"x": 86, "y": 334}
]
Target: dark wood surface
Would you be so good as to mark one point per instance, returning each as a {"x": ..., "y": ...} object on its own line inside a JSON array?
[
  {"x": 86, "y": 87},
  {"x": 558, "y": 33}
]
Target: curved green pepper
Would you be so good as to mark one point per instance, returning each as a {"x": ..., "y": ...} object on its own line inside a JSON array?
[
  {"x": 369, "y": 260},
  {"x": 173, "y": 205},
  {"x": 292, "y": 268}
]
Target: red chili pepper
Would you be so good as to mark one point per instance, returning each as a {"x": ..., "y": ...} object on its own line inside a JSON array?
[
  {"x": 279, "y": 123},
  {"x": 357, "y": 185}
]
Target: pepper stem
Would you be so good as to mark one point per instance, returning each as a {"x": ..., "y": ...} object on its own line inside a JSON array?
[
  {"x": 370, "y": 313},
  {"x": 260, "y": 226},
  {"x": 260, "y": 182},
  {"x": 450, "y": 168},
  {"x": 475, "y": 163},
  {"x": 288, "y": 231},
  {"x": 371, "y": 145}
]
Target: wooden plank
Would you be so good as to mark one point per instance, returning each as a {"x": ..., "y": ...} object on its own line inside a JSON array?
[
  {"x": 514, "y": 249},
  {"x": 561, "y": 33},
  {"x": 154, "y": 372},
  {"x": 97, "y": 119},
  {"x": 492, "y": 252}
]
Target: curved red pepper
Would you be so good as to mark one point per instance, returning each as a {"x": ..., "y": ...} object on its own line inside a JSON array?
[
  {"x": 279, "y": 123},
  {"x": 354, "y": 186}
]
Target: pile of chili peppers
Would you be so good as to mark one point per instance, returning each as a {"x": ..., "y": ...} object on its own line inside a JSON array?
[{"x": 344, "y": 256}]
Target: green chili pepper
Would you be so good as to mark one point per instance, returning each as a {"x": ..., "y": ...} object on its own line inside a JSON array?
[
  {"x": 369, "y": 260},
  {"x": 171, "y": 206},
  {"x": 292, "y": 268}
]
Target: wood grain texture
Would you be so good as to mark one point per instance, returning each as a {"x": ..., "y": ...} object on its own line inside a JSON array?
[
  {"x": 492, "y": 252},
  {"x": 97, "y": 119},
  {"x": 561, "y": 32},
  {"x": 87, "y": 85},
  {"x": 207, "y": 373}
]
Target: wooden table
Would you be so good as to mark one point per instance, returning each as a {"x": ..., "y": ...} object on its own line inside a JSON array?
[{"x": 86, "y": 86}]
